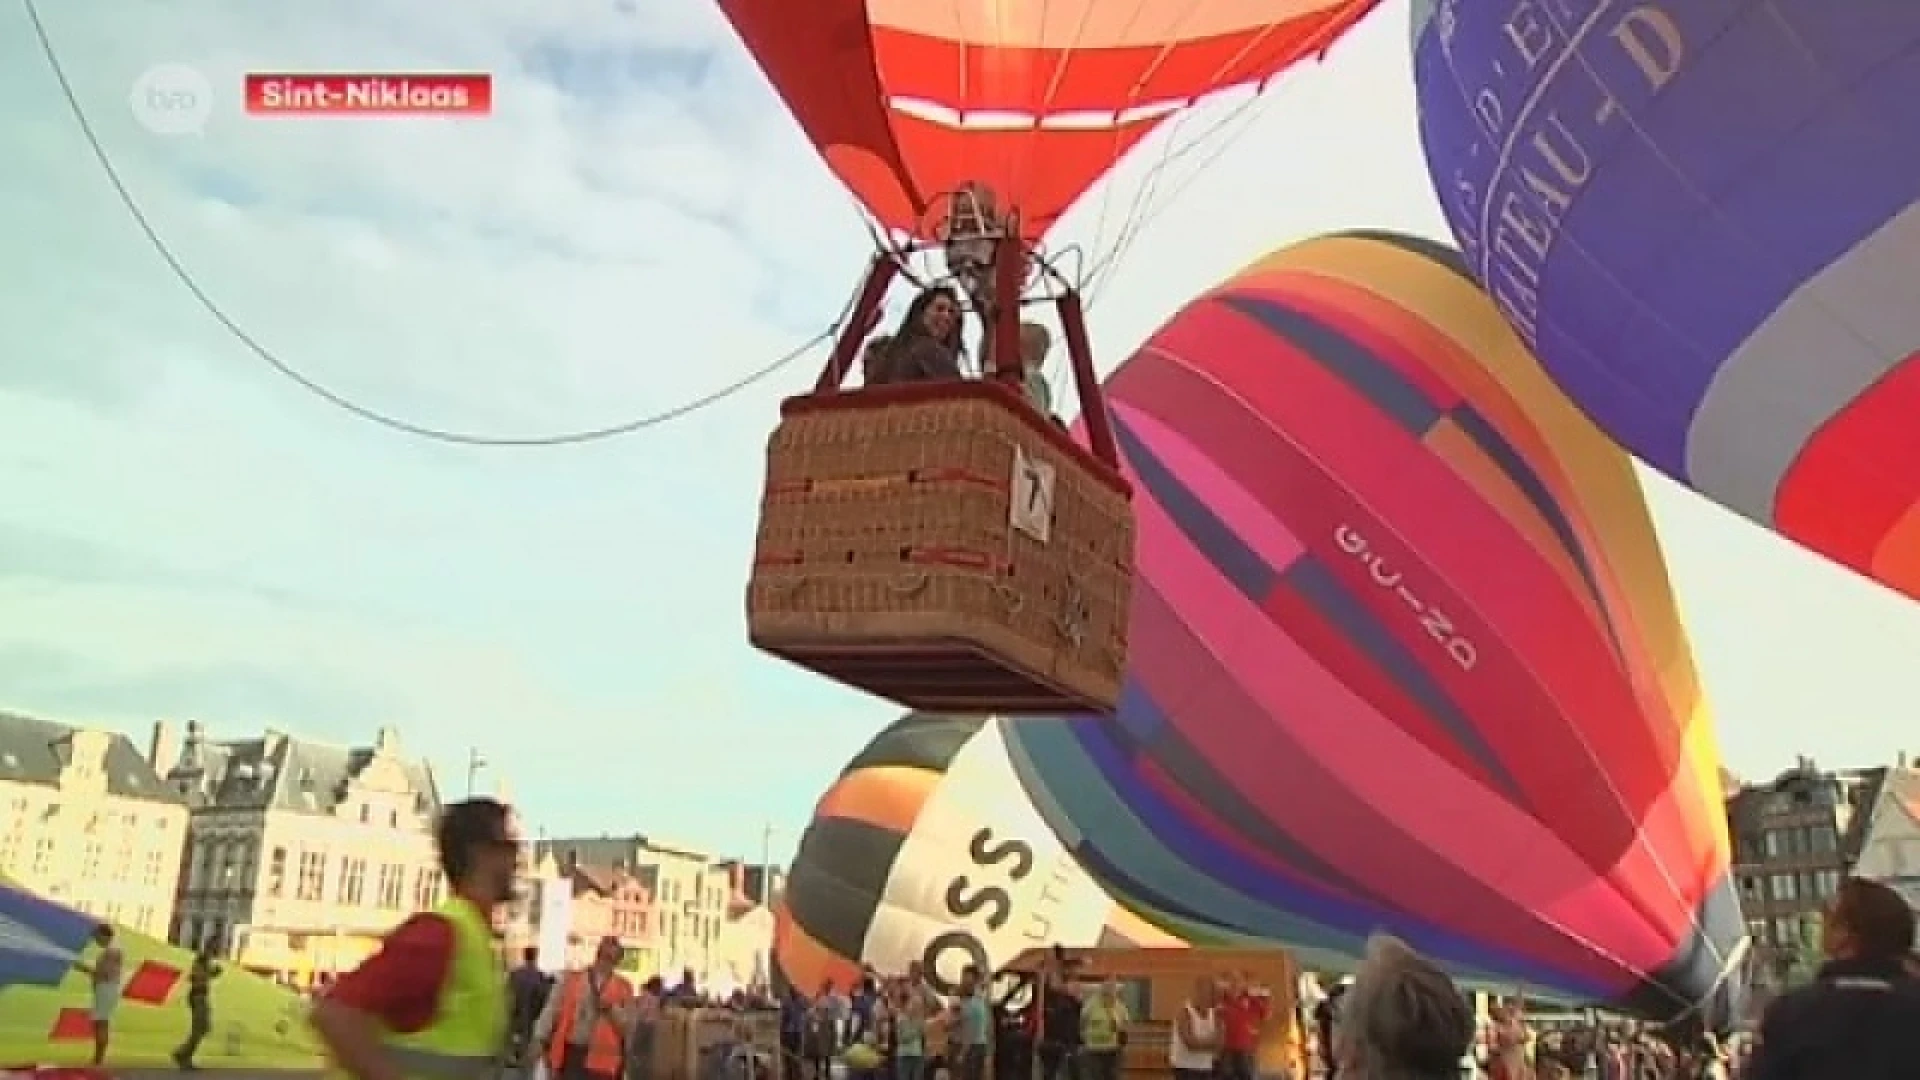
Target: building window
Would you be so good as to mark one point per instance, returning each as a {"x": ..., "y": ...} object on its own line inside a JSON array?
[
  {"x": 277, "y": 872},
  {"x": 1826, "y": 840},
  {"x": 426, "y": 889},
  {"x": 156, "y": 865},
  {"x": 1771, "y": 845},
  {"x": 313, "y": 875},
  {"x": 1826, "y": 883},
  {"x": 353, "y": 880},
  {"x": 366, "y": 813},
  {"x": 1784, "y": 887},
  {"x": 392, "y": 886}
]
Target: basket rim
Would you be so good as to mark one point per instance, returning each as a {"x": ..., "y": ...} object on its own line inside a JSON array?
[{"x": 987, "y": 391}]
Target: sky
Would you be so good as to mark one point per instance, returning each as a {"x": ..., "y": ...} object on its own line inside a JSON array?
[{"x": 188, "y": 535}]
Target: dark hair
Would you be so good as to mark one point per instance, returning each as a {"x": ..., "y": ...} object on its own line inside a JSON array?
[
  {"x": 1878, "y": 918},
  {"x": 914, "y": 325},
  {"x": 529, "y": 955},
  {"x": 464, "y": 828}
]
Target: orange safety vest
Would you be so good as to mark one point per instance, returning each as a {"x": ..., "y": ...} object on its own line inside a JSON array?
[{"x": 606, "y": 1046}]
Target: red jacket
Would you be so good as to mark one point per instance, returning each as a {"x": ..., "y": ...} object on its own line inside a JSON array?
[{"x": 1241, "y": 1015}]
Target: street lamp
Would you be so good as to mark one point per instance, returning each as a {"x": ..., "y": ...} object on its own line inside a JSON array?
[
  {"x": 766, "y": 864},
  {"x": 474, "y": 764}
]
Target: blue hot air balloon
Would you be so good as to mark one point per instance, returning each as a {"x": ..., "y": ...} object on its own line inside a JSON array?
[{"x": 1704, "y": 217}]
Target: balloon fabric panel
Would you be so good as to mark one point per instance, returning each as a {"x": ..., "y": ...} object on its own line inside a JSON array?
[
  {"x": 926, "y": 849},
  {"x": 1703, "y": 218},
  {"x": 908, "y": 102},
  {"x": 1412, "y": 490},
  {"x": 1157, "y": 852},
  {"x": 44, "y": 997},
  {"x": 1406, "y": 653}
]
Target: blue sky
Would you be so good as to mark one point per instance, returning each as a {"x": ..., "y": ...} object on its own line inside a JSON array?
[{"x": 187, "y": 535}]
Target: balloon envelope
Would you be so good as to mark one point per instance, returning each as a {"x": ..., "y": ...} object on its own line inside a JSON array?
[
  {"x": 1705, "y": 218},
  {"x": 1405, "y": 653},
  {"x": 927, "y": 850},
  {"x": 909, "y": 101},
  {"x": 45, "y": 999}
]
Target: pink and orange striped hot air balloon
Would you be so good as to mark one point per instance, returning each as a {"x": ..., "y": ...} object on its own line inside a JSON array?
[{"x": 1405, "y": 654}]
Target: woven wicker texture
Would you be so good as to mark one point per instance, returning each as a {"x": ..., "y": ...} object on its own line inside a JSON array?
[{"x": 886, "y": 559}]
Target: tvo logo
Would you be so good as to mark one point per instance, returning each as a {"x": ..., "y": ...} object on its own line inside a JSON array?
[{"x": 171, "y": 99}]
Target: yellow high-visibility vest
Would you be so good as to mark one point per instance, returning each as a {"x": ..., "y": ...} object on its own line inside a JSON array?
[{"x": 468, "y": 1035}]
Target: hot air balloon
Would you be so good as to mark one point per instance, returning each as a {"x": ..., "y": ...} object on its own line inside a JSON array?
[
  {"x": 1405, "y": 653},
  {"x": 44, "y": 998},
  {"x": 926, "y": 851},
  {"x": 946, "y": 545},
  {"x": 1704, "y": 218}
]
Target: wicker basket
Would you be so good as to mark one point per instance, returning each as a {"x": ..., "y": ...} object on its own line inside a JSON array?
[{"x": 946, "y": 547}]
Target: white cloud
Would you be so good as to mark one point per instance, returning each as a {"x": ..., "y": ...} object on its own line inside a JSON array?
[
  {"x": 507, "y": 274},
  {"x": 517, "y": 235}
]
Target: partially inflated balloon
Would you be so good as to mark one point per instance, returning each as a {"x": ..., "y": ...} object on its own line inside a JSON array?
[
  {"x": 909, "y": 101},
  {"x": 927, "y": 850},
  {"x": 44, "y": 998},
  {"x": 1405, "y": 654},
  {"x": 1705, "y": 217}
]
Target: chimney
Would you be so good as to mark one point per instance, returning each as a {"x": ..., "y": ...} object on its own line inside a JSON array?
[{"x": 163, "y": 750}]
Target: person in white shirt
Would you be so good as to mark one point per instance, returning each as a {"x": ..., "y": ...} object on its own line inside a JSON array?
[
  {"x": 104, "y": 975},
  {"x": 1034, "y": 343},
  {"x": 1196, "y": 1033}
]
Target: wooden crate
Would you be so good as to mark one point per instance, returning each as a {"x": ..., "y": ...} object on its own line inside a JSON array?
[{"x": 685, "y": 1036}]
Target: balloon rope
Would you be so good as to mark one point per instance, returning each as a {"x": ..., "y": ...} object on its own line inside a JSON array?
[{"x": 233, "y": 328}]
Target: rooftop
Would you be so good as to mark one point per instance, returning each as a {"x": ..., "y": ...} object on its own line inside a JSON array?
[
  {"x": 277, "y": 771},
  {"x": 35, "y": 751}
]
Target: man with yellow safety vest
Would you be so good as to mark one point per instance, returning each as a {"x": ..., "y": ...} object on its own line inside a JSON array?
[
  {"x": 431, "y": 1004},
  {"x": 583, "y": 1029}
]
